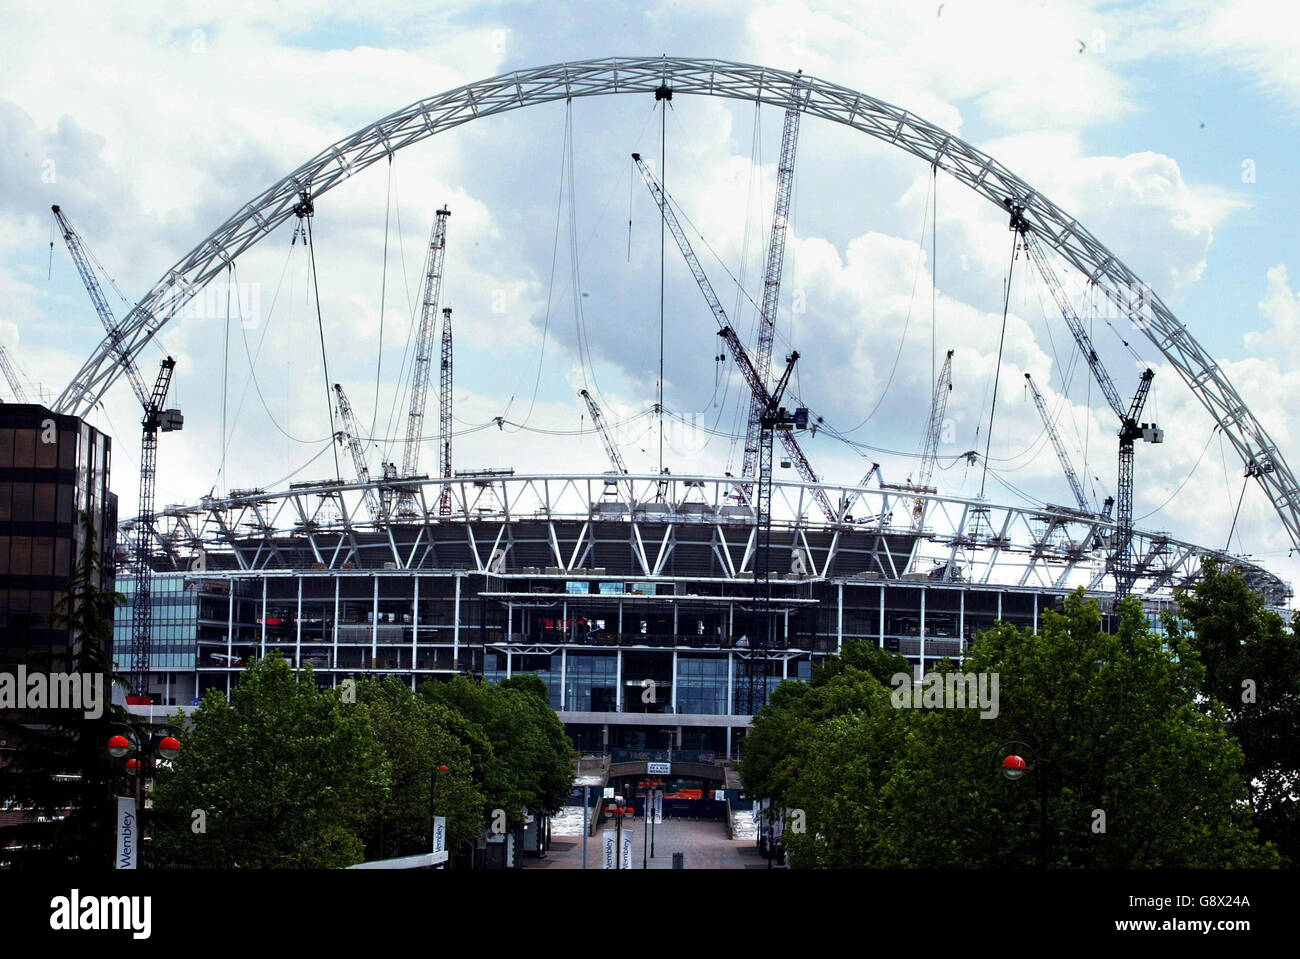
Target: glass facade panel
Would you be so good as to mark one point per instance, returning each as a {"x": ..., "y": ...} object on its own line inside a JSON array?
[
  {"x": 701, "y": 685},
  {"x": 591, "y": 683},
  {"x": 174, "y": 610}
]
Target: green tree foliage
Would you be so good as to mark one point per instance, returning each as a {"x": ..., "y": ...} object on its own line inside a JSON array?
[
  {"x": 61, "y": 769},
  {"x": 531, "y": 762},
  {"x": 417, "y": 737},
  {"x": 1252, "y": 668},
  {"x": 285, "y": 773},
  {"x": 1117, "y": 717},
  {"x": 777, "y": 746}
]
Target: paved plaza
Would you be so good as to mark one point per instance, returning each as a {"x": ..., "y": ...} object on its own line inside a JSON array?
[{"x": 704, "y": 845}]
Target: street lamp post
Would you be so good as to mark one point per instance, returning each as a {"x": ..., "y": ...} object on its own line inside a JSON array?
[
  {"x": 655, "y": 796},
  {"x": 619, "y": 813},
  {"x": 649, "y": 788},
  {"x": 147, "y": 745},
  {"x": 1013, "y": 767}
]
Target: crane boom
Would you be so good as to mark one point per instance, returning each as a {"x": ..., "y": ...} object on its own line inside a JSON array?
[
  {"x": 598, "y": 419},
  {"x": 81, "y": 258},
  {"x": 738, "y": 354},
  {"x": 1072, "y": 320},
  {"x": 1066, "y": 466},
  {"x": 444, "y": 414},
  {"x": 772, "y": 275},
  {"x": 11, "y": 374},
  {"x": 348, "y": 437},
  {"x": 424, "y": 342},
  {"x": 1130, "y": 429},
  {"x": 933, "y": 429}
]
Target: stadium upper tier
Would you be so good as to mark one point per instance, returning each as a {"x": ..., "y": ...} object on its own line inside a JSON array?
[{"x": 664, "y": 526}]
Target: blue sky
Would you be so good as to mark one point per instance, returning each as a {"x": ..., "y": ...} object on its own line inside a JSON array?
[{"x": 1142, "y": 135}]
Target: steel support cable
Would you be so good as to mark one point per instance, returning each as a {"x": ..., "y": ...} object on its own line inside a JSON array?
[
  {"x": 663, "y": 217},
  {"x": 253, "y": 357},
  {"x": 907, "y": 321},
  {"x": 1233, "y": 528},
  {"x": 1138, "y": 519},
  {"x": 225, "y": 372},
  {"x": 320, "y": 327},
  {"x": 383, "y": 291},
  {"x": 997, "y": 375},
  {"x": 550, "y": 286},
  {"x": 585, "y": 342},
  {"x": 399, "y": 393}
]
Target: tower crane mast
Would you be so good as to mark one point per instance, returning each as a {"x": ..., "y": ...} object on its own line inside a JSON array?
[
  {"x": 772, "y": 275},
  {"x": 1130, "y": 429},
  {"x": 738, "y": 354},
  {"x": 598, "y": 420},
  {"x": 424, "y": 342},
  {"x": 444, "y": 414},
  {"x": 348, "y": 437},
  {"x": 1066, "y": 466},
  {"x": 930, "y": 448}
]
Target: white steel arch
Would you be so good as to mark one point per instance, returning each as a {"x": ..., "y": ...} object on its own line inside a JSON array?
[{"x": 738, "y": 81}]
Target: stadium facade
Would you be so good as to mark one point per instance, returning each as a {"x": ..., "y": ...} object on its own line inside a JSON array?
[{"x": 632, "y": 597}]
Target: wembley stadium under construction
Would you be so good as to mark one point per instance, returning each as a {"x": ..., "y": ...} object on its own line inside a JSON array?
[{"x": 660, "y": 609}]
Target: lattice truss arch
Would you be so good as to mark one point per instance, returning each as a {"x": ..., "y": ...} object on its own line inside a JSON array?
[{"x": 738, "y": 81}]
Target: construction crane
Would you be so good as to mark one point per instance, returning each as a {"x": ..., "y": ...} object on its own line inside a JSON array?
[
  {"x": 930, "y": 447},
  {"x": 1075, "y": 486},
  {"x": 1130, "y": 429},
  {"x": 444, "y": 414},
  {"x": 756, "y": 384},
  {"x": 83, "y": 259},
  {"x": 772, "y": 276},
  {"x": 598, "y": 419},
  {"x": 424, "y": 342},
  {"x": 775, "y": 418},
  {"x": 156, "y": 419},
  {"x": 11, "y": 374},
  {"x": 348, "y": 437}
]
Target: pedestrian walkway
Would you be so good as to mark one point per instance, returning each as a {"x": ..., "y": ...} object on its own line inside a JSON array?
[{"x": 703, "y": 844}]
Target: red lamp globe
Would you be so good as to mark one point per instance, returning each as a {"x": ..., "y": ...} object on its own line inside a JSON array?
[
  {"x": 133, "y": 767},
  {"x": 1013, "y": 767},
  {"x": 169, "y": 747},
  {"x": 118, "y": 746}
]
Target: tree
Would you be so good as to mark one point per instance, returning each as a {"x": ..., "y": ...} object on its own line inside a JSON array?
[
  {"x": 1252, "y": 668},
  {"x": 417, "y": 736},
  {"x": 531, "y": 763},
  {"x": 1117, "y": 720},
  {"x": 285, "y": 775},
  {"x": 61, "y": 769},
  {"x": 783, "y": 730}
]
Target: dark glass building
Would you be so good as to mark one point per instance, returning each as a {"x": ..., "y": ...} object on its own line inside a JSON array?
[{"x": 51, "y": 468}]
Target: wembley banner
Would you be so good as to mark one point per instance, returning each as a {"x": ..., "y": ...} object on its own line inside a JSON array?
[{"x": 128, "y": 833}]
